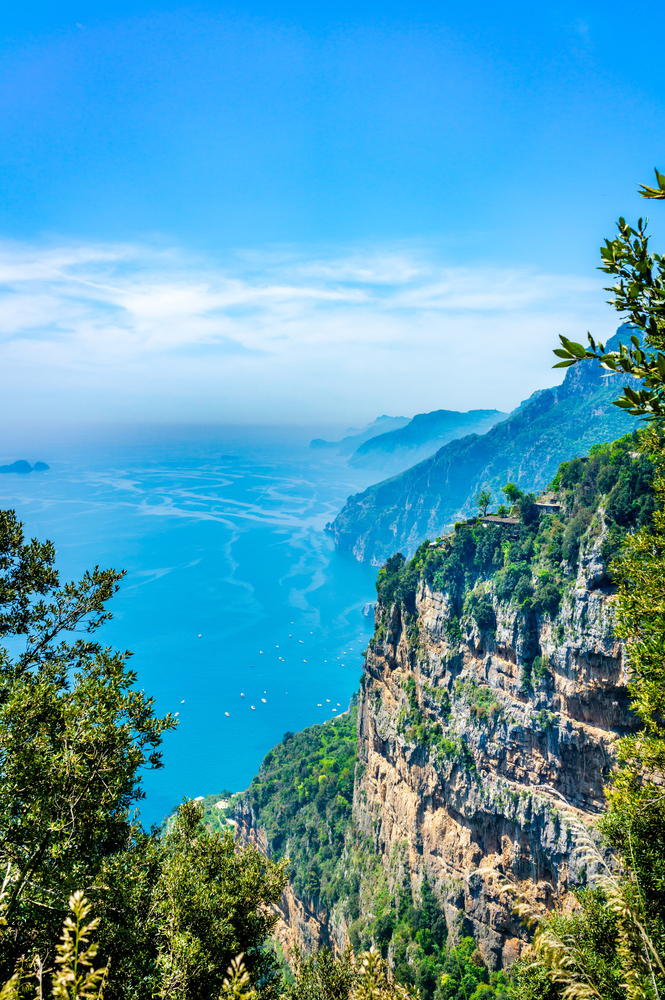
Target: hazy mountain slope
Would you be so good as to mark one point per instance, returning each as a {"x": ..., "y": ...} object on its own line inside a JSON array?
[
  {"x": 551, "y": 426},
  {"x": 397, "y": 450},
  {"x": 349, "y": 443}
]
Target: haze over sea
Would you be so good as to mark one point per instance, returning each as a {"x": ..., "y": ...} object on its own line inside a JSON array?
[{"x": 232, "y": 584}]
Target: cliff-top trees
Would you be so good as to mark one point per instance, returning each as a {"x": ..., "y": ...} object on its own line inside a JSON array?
[{"x": 483, "y": 500}]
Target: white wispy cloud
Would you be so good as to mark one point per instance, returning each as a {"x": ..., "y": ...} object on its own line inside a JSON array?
[{"x": 107, "y": 333}]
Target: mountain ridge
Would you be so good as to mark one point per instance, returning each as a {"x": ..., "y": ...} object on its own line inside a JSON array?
[
  {"x": 350, "y": 442},
  {"x": 399, "y": 449},
  {"x": 550, "y": 426},
  {"x": 494, "y": 690}
]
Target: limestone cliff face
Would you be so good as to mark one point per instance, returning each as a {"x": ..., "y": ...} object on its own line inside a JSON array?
[
  {"x": 481, "y": 786},
  {"x": 474, "y": 759}
]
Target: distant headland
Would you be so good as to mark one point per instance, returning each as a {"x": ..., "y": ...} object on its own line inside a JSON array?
[{"x": 23, "y": 467}]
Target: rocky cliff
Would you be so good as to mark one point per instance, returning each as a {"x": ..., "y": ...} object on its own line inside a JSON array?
[
  {"x": 493, "y": 693},
  {"x": 304, "y": 923},
  {"x": 484, "y": 794}
]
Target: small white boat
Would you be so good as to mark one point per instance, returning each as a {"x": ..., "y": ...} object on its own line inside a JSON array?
[
  {"x": 226, "y": 714},
  {"x": 242, "y": 695},
  {"x": 253, "y": 709},
  {"x": 264, "y": 701}
]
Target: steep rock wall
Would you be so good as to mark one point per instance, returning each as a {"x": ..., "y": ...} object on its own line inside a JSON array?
[{"x": 489, "y": 780}]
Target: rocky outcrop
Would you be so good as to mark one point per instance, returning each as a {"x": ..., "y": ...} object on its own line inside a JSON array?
[{"x": 478, "y": 776}]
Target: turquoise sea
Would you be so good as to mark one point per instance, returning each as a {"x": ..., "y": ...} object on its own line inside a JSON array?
[{"x": 232, "y": 585}]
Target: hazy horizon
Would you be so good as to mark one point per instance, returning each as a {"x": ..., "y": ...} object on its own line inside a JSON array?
[{"x": 264, "y": 213}]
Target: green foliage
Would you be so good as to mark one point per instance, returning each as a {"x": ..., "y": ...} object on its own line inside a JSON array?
[
  {"x": 303, "y": 793},
  {"x": 367, "y": 977},
  {"x": 331, "y": 859},
  {"x": 635, "y": 822},
  {"x": 547, "y": 595},
  {"x": 546, "y": 719},
  {"x": 237, "y": 984},
  {"x": 425, "y": 957},
  {"x": 482, "y": 611},
  {"x": 398, "y": 581},
  {"x": 465, "y": 976},
  {"x": 432, "y": 734},
  {"x": 613, "y": 946},
  {"x": 611, "y": 489},
  {"x": 482, "y": 701},
  {"x": 419, "y": 935},
  {"x": 320, "y": 976},
  {"x": 482, "y": 500},
  {"x": 453, "y": 631},
  {"x": 74, "y": 977},
  {"x": 639, "y": 295},
  {"x": 539, "y": 669},
  {"x": 601, "y": 950},
  {"x": 75, "y": 735},
  {"x": 211, "y": 902},
  {"x": 512, "y": 493}
]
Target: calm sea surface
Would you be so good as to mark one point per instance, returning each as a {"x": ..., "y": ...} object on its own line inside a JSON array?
[{"x": 232, "y": 586}]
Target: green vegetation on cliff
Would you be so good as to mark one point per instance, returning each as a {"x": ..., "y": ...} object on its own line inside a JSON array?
[
  {"x": 609, "y": 491},
  {"x": 627, "y": 959},
  {"x": 302, "y": 799},
  {"x": 303, "y": 795}
]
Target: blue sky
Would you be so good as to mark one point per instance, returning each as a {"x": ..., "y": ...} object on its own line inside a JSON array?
[{"x": 280, "y": 211}]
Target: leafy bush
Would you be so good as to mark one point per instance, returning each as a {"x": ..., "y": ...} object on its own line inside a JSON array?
[
  {"x": 482, "y": 611},
  {"x": 547, "y": 597},
  {"x": 481, "y": 699}
]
